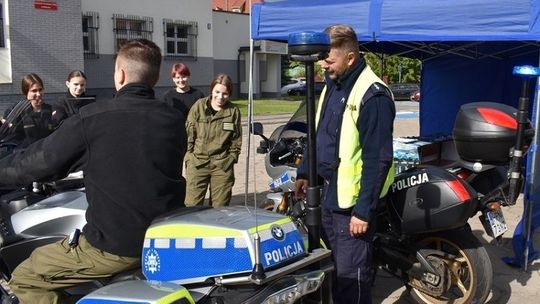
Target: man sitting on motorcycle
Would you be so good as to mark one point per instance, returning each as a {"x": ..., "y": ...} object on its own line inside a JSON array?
[{"x": 130, "y": 149}]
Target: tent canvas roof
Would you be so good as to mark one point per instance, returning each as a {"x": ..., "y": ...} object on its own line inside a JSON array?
[{"x": 468, "y": 47}]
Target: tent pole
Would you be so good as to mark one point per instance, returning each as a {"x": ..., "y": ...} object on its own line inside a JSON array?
[
  {"x": 531, "y": 190},
  {"x": 250, "y": 115}
]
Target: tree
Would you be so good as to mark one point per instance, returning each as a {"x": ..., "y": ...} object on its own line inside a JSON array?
[{"x": 410, "y": 68}]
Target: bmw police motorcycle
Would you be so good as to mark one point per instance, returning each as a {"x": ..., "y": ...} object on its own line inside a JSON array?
[
  {"x": 234, "y": 254},
  {"x": 422, "y": 236},
  {"x": 34, "y": 215}
]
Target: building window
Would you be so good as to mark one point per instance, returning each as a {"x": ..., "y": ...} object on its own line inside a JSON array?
[
  {"x": 131, "y": 27},
  {"x": 2, "y": 40},
  {"x": 180, "y": 38},
  {"x": 90, "y": 26}
]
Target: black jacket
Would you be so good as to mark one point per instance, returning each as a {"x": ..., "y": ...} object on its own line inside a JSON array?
[
  {"x": 131, "y": 150},
  {"x": 182, "y": 101},
  {"x": 68, "y": 105},
  {"x": 34, "y": 126}
]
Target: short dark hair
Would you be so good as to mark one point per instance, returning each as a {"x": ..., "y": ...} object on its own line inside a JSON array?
[
  {"x": 28, "y": 81},
  {"x": 180, "y": 68},
  {"x": 343, "y": 36},
  {"x": 143, "y": 60},
  {"x": 76, "y": 73},
  {"x": 224, "y": 80}
]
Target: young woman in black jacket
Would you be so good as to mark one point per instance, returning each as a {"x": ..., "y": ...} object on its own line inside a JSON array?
[
  {"x": 35, "y": 122},
  {"x": 75, "y": 97}
]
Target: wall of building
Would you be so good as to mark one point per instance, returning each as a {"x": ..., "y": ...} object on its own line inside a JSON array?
[
  {"x": 231, "y": 33},
  {"x": 267, "y": 59},
  {"x": 100, "y": 70},
  {"x": 49, "y": 42},
  {"x": 42, "y": 41}
]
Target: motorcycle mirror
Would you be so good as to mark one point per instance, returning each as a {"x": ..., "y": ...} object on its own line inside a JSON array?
[{"x": 257, "y": 128}]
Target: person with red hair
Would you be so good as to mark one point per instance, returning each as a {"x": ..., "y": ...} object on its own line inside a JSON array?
[{"x": 183, "y": 96}]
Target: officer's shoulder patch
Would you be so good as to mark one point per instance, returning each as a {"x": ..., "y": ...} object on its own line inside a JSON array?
[{"x": 376, "y": 89}]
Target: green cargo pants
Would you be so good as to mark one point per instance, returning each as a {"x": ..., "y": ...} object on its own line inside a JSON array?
[
  {"x": 198, "y": 180},
  {"x": 57, "y": 266}
]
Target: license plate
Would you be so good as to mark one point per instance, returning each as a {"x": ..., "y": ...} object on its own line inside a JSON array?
[{"x": 496, "y": 222}]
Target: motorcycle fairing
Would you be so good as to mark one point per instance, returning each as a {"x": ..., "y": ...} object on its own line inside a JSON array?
[
  {"x": 191, "y": 248},
  {"x": 139, "y": 292},
  {"x": 56, "y": 215}
]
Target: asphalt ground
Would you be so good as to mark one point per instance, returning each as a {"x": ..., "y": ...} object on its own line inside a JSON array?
[{"x": 511, "y": 285}]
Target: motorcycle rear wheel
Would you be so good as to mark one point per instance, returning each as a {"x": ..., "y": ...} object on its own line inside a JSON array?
[{"x": 466, "y": 263}]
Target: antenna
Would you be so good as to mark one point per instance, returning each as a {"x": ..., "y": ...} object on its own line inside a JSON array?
[{"x": 258, "y": 270}]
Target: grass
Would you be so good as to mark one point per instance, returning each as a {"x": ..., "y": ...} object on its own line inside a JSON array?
[{"x": 268, "y": 106}]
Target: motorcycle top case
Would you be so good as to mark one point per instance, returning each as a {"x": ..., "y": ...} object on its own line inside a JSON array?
[
  {"x": 139, "y": 292},
  {"x": 192, "y": 247},
  {"x": 485, "y": 132},
  {"x": 429, "y": 199}
]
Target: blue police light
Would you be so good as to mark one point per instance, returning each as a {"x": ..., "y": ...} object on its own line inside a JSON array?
[
  {"x": 526, "y": 71},
  {"x": 308, "y": 43}
]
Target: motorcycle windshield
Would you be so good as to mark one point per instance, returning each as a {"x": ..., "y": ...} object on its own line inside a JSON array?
[
  {"x": 8, "y": 128},
  {"x": 295, "y": 127}
]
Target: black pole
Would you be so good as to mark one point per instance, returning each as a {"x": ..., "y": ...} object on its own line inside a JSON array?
[
  {"x": 309, "y": 47},
  {"x": 522, "y": 114},
  {"x": 313, "y": 217},
  {"x": 517, "y": 154}
]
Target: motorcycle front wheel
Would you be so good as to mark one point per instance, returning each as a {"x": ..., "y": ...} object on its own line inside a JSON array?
[{"x": 466, "y": 266}]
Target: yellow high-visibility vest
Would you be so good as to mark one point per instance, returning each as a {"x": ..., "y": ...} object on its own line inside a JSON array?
[{"x": 349, "y": 171}]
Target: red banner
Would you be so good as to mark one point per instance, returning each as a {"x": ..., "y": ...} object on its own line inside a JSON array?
[{"x": 46, "y": 5}]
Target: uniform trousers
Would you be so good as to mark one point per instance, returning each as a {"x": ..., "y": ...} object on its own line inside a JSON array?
[
  {"x": 352, "y": 256},
  {"x": 57, "y": 266},
  {"x": 198, "y": 180}
]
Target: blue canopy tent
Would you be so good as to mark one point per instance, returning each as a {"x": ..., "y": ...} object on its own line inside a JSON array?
[{"x": 468, "y": 47}]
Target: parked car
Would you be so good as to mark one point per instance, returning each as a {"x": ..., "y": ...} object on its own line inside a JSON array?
[
  {"x": 415, "y": 96},
  {"x": 301, "y": 90},
  {"x": 403, "y": 91},
  {"x": 293, "y": 83}
]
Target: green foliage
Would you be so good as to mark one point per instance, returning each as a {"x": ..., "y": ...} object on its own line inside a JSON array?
[
  {"x": 410, "y": 68},
  {"x": 268, "y": 106},
  {"x": 297, "y": 69}
]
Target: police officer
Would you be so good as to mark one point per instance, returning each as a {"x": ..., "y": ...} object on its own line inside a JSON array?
[
  {"x": 354, "y": 118},
  {"x": 214, "y": 142}
]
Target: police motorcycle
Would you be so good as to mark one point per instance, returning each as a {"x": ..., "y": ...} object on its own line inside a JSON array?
[
  {"x": 36, "y": 214},
  {"x": 234, "y": 254},
  {"x": 283, "y": 153},
  {"x": 423, "y": 237}
]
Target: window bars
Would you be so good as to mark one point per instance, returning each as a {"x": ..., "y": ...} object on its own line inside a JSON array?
[
  {"x": 131, "y": 27},
  {"x": 2, "y": 40},
  {"x": 180, "y": 38},
  {"x": 90, "y": 26}
]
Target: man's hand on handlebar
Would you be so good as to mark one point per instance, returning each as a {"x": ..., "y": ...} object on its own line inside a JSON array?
[{"x": 300, "y": 188}]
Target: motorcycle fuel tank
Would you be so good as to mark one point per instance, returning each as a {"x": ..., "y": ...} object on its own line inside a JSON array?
[
  {"x": 428, "y": 199},
  {"x": 56, "y": 215},
  {"x": 217, "y": 241}
]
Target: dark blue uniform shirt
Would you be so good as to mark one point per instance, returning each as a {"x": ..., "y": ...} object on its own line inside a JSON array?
[{"x": 375, "y": 125}]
